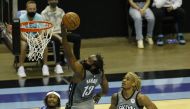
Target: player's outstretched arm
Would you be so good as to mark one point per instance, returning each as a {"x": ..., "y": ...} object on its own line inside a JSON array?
[
  {"x": 113, "y": 101},
  {"x": 145, "y": 101},
  {"x": 71, "y": 59},
  {"x": 104, "y": 91}
]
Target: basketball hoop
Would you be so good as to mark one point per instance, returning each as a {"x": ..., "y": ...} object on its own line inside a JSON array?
[{"x": 38, "y": 35}]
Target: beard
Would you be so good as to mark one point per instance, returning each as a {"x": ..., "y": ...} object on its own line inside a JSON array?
[
  {"x": 89, "y": 67},
  {"x": 86, "y": 65},
  {"x": 31, "y": 14}
]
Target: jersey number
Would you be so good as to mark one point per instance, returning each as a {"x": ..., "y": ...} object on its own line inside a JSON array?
[{"x": 87, "y": 90}]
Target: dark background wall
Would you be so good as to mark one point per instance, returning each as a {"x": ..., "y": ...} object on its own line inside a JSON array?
[{"x": 100, "y": 18}]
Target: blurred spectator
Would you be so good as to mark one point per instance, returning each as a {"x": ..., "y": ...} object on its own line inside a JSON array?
[{"x": 162, "y": 8}]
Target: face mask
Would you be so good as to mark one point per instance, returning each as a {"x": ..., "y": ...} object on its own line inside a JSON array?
[
  {"x": 53, "y": 5},
  {"x": 86, "y": 65},
  {"x": 31, "y": 14}
]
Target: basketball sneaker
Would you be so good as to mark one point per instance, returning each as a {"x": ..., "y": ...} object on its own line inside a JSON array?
[
  {"x": 45, "y": 70},
  {"x": 181, "y": 39},
  {"x": 58, "y": 69},
  {"x": 21, "y": 72},
  {"x": 140, "y": 44},
  {"x": 160, "y": 40}
]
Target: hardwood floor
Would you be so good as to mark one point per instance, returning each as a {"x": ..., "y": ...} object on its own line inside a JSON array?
[{"x": 119, "y": 56}]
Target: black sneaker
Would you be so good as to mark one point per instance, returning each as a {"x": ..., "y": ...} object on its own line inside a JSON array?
[
  {"x": 160, "y": 41},
  {"x": 181, "y": 40}
]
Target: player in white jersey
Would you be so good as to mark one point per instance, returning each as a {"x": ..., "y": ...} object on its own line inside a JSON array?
[{"x": 130, "y": 97}]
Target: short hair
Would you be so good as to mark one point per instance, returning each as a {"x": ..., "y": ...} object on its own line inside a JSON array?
[
  {"x": 136, "y": 79},
  {"x": 30, "y": 2}
]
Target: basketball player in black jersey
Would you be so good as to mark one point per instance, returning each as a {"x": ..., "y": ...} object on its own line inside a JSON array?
[
  {"x": 87, "y": 75},
  {"x": 130, "y": 97}
]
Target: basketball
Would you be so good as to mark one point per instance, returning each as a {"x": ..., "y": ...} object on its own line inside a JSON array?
[{"x": 71, "y": 20}]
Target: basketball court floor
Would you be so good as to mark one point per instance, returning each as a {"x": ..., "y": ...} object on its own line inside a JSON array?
[{"x": 165, "y": 73}]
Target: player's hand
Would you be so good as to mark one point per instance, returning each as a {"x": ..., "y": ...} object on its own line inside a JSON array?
[
  {"x": 97, "y": 97},
  {"x": 142, "y": 11}
]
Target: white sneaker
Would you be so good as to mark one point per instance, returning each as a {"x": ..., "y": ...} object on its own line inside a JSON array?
[
  {"x": 150, "y": 41},
  {"x": 45, "y": 70},
  {"x": 140, "y": 44},
  {"x": 21, "y": 72},
  {"x": 58, "y": 69}
]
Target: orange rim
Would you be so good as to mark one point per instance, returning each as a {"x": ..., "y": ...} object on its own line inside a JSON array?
[{"x": 23, "y": 29}]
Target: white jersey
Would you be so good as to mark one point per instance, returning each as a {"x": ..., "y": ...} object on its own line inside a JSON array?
[{"x": 55, "y": 17}]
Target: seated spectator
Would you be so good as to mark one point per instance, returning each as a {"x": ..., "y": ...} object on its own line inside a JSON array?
[
  {"x": 9, "y": 28},
  {"x": 54, "y": 14},
  {"x": 31, "y": 15},
  {"x": 52, "y": 101},
  {"x": 162, "y": 8},
  {"x": 138, "y": 10}
]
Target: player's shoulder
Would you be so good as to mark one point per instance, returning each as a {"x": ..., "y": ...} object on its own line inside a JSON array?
[
  {"x": 141, "y": 97},
  {"x": 114, "y": 99},
  {"x": 114, "y": 95}
]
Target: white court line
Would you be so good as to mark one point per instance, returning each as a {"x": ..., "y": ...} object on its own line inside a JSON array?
[
  {"x": 111, "y": 85},
  {"x": 104, "y": 100}
]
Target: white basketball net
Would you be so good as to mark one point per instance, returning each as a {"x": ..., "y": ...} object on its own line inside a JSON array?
[{"x": 37, "y": 42}]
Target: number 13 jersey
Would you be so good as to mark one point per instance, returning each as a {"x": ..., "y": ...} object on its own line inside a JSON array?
[{"x": 83, "y": 91}]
